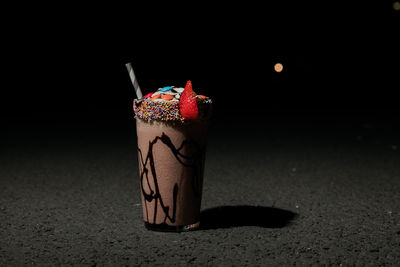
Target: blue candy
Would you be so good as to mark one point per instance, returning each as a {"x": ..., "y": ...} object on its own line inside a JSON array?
[{"x": 166, "y": 88}]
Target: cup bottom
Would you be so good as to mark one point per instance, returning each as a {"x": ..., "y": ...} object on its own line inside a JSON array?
[{"x": 172, "y": 228}]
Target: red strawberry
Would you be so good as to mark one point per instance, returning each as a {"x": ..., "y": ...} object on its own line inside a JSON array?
[{"x": 188, "y": 104}]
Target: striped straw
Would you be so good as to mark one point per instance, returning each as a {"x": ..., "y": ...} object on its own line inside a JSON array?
[{"x": 134, "y": 81}]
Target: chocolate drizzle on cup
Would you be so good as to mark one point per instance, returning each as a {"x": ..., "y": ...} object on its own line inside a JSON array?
[{"x": 153, "y": 193}]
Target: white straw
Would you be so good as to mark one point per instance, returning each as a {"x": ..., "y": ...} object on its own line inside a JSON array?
[{"x": 134, "y": 81}]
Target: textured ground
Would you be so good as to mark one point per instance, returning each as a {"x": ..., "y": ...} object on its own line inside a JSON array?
[{"x": 310, "y": 198}]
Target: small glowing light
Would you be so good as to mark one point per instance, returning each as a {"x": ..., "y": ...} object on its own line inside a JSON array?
[
  {"x": 278, "y": 67},
  {"x": 396, "y": 5}
]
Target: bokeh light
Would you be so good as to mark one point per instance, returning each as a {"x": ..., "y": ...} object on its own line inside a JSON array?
[{"x": 278, "y": 67}]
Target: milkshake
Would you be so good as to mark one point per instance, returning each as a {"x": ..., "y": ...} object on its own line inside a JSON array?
[{"x": 171, "y": 129}]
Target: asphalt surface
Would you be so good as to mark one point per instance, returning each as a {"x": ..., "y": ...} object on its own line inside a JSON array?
[{"x": 295, "y": 195}]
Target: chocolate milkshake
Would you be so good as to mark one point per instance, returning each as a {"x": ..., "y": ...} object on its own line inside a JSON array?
[{"x": 172, "y": 134}]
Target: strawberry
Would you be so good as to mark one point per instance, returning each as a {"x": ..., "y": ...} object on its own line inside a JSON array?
[{"x": 188, "y": 104}]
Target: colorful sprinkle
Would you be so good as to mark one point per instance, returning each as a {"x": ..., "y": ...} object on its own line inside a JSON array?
[
  {"x": 167, "y": 97},
  {"x": 155, "y": 97},
  {"x": 166, "y": 88},
  {"x": 148, "y": 95},
  {"x": 164, "y": 105},
  {"x": 147, "y": 109}
]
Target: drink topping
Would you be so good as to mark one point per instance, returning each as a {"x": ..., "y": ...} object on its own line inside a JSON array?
[{"x": 173, "y": 103}]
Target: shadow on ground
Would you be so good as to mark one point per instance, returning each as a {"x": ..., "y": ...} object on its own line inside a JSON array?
[{"x": 236, "y": 216}]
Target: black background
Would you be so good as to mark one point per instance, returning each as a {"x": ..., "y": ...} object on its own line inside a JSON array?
[
  {"x": 319, "y": 140},
  {"x": 67, "y": 62}
]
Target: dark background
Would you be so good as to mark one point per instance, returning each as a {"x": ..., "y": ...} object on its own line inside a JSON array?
[
  {"x": 302, "y": 166},
  {"x": 67, "y": 63}
]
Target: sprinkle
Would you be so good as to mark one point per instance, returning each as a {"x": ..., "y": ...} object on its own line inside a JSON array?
[
  {"x": 163, "y": 105},
  {"x": 167, "y": 97},
  {"x": 166, "y": 88},
  {"x": 148, "y": 95},
  {"x": 155, "y": 97}
]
